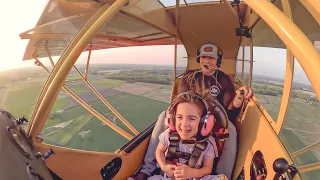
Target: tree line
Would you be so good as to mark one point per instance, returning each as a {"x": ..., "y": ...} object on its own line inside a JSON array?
[
  {"x": 149, "y": 76},
  {"x": 277, "y": 91}
]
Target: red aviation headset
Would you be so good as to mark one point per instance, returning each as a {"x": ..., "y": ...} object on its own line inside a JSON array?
[{"x": 206, "y": 122}]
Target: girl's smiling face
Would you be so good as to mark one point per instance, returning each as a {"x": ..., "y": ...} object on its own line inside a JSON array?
[{"x": 187, "y": 120}]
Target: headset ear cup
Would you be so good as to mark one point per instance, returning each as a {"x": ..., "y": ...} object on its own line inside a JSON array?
[
  {"x": 219, "y": 62},
  {"x": 166, "y": 119},
  {"x": 171, "y": 125},
  {"x": 169, "y": 121},
  {"x": 198, "y": 58},
  {"x": 207, "y": 127}
]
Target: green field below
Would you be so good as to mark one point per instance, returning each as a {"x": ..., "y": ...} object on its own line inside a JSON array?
[
  {"x": 59, "y": 104},
  {"x": 27, "y": 110},
  {"x": 78, "y": 89},
  {"x": 294, "y": 143},
  {"x": 99, "y": 138},
  {"x": 108, "y": 83},
  {"x": 2, "y": 91},
  {"x": 304, "y": 111},
  {"x": 62, "y": 137},
  {"x": 21, "y": 103},
  {"x": 21, "y": 98},
  {"x": 74, "y": 77},
  {"x": 19, "y": 111},
  {"x": 27, "y": 85},
  {"x": 61, "y": 116},
  {"x": 83, "y": 88},
  {"x": 138, "y": 110}
]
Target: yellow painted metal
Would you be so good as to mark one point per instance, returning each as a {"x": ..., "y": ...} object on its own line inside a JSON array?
[
  {"x": 105, "y": 102},
  {"x": 288, "y": 77},
  {"x": 177, "y": 13},
  {"x": 90, "y": 109},
  {"x": 88, "y": 62},
  {"x": 242, "y": 75},
  {"x": 87, "y": 164},
  {"x": 265, "y": 113},
  {"x": 172, "y": 96},
  {"x": 255, "y": 133},
  {"x": 251, "y": 61},
  {"x": 68, "y": 59},
  {"x": 313, "y": 6},
  {"x": 56, "y": 21},
  {"x": 40, "y": 98},
  {"x": 300, "y": 151},
  {"x": 286, "y": 93},
  {"x": 194, "y": 33},
  {"x": 293, "y": 38},
  {"x": 175, "y": 49},
  {"x": 309, "y": 167},
  {"x": 175, "y": 58},
  {"x": 37, "y": 105},
  {"x": 49, "y": 54},
  {"x": 287, "y": 8},
  {"x": 176, "y": 40}
]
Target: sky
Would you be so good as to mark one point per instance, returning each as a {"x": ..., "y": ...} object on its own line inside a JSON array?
[
  {"x": 18, "y": 17},
  {"x": 269, "y": 61}
]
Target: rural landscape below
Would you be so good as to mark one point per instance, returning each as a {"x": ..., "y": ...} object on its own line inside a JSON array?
[{"x": 140, "y": 93}]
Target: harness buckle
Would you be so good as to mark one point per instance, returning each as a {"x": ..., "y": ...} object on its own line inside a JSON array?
[{"x": 174, "y": 138}]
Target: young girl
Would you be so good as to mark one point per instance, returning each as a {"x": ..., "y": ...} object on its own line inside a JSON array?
[{"x": 187, "y": 110}]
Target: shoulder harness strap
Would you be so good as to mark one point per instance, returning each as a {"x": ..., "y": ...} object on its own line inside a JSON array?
[
  {"x": 173, "y": 146},
  {"x": 198, "y": 149},
  {"x": 173, "y": 150}
]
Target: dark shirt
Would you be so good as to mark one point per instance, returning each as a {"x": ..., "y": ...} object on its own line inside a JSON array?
[{"x": 219, "y": 87}]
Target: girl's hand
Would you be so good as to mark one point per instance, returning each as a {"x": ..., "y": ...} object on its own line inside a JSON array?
[
  {"x": 168, "y": 169},
  {"x": 182, "y": 172}
]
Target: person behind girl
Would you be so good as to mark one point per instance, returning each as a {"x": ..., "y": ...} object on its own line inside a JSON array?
[{"x": 189, "y": 112}]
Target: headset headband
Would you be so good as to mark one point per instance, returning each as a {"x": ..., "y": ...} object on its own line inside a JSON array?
[
  {"x": 206, "y": 121},
  {"x": 193, "y": 95}
]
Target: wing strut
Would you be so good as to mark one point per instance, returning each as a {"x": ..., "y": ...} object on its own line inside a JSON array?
[
  {"x": 116, "y": 128},
  {"x": 122, "y": 119},
  {"x": 85, "y": 79}
]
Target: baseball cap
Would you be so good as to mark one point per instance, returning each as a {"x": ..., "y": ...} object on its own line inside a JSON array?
[{"x": 209, "y": 49}]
